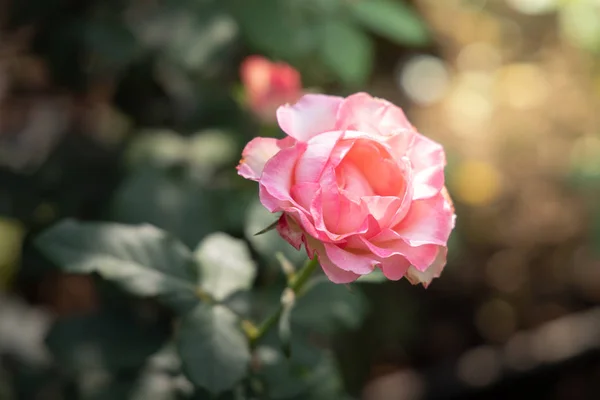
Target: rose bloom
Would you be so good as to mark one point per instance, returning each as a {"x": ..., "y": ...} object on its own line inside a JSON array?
[
  {"x": 357, "y": 185},
  {"x": 268, "y": 85}
]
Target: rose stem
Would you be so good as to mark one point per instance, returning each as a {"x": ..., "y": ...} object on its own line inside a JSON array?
[{"x": 296, "y": 284}]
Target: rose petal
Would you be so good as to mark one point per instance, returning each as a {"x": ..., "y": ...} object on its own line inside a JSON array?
[
  {"x": 383, "y": 208},
  {"x": 429, "y": 221},
  {"x": 333, "y": 272},
  {"x": 352, "y": 182},
  {"x": 420, "y": 256},
  {"x": 349, "y": 261},
  {"x": 256, "y": 154},
  {"x": 335, "y": 214},
  {"x": 428, "y": 160},
  {"x": 304, "y": 194},
  {"x": 318, "y": 152},
  {"x": 361, "y": 112},
  {"x": 434, "y": 271},
  {"x": 311, "y": 115},
  {"x": 400, "y": 141},
  {"x": 277, "y": 178},
  {"x": 394, "y": 268},
  {"x": 384, "y": 174}
]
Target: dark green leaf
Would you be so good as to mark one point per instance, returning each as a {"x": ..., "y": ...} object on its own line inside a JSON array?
[
  {"x": 225, "y": 265},
  {"x": 237, "y": 393},
  {"x": 6, "y": 385},
  {"x": 213, "y": 349},
  {"x": 196, "y": 40},
  {"x": 171, "y": 202},
  {"x": 347, "y": 51},
  {"x": 393, "y": 19},
  {"x": 344, "y": 308},
  {"x": 325, "y": 381},
  {"x": 107, "y": 339},
  {"x": 283, "y": 378},
  {"x": 143, "y": 259},
  {"x": 111, "y": 43},
  {"x": 325, "y": 7},
  {"x": 274, "y": 27},
  {"x": 311, "y": 373}
]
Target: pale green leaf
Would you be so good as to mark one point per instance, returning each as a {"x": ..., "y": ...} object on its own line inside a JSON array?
[
  {"x": 225, "y": 264},
  {"x": 345, "y": 308},
  {"x": 143, "y": 259}
]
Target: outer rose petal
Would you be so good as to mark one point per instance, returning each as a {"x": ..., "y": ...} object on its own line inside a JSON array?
[
  {"x": 428, "y": 221},
  {"x": 428, "y": 160},
  {"x": 334, "y": 273},
  {"x": 364, "y": 113},
  {"x": 311, "y": 115},
  {"x": 349, "y": 261},
  {"x": 395, "y": 267},
  {"x": 257, "y": 153},
  {"x": 421, "y": 257},
  {"x": 434, "y": 271},
  {"x": 277, "y": 177}
]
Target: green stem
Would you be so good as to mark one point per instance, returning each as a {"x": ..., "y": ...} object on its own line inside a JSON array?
[
  {"x": 302, "y": 276},
  {"x": 296, "y": 284}
]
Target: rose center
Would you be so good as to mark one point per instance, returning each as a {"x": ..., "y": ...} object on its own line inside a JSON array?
[{"x": 368, "y": 169}]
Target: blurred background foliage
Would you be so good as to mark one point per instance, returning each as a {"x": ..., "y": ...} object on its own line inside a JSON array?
[{"x": 132, "y": 111}]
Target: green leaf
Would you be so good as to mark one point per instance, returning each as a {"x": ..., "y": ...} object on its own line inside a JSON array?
[
  {"x": 213, "y": 349},
  {"x": 112, "y": 43},
  {"x": 107, "y": 339},
  {"x": 171, "y": 201},
  {"x": 347, "y": 51},
  {"x": 225, "y": 264},
  {"x": 143, "y": 259},
  {"x": 326, "y": 381},
  {"x": 345, "y": 308},
  {"x": 310, "y": 373},
  {"x": 274, "y": 27},
  {"x": 392, "y": 19},
  {"x": 7, "y": 391}
]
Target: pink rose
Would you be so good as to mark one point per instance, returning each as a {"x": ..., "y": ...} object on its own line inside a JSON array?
[
  {"x": 269, "y": 85},
  {"x": 358, "y": 185}
]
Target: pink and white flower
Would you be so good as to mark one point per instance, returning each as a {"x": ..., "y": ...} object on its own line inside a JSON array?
[{"x": 357, "y": 185}]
